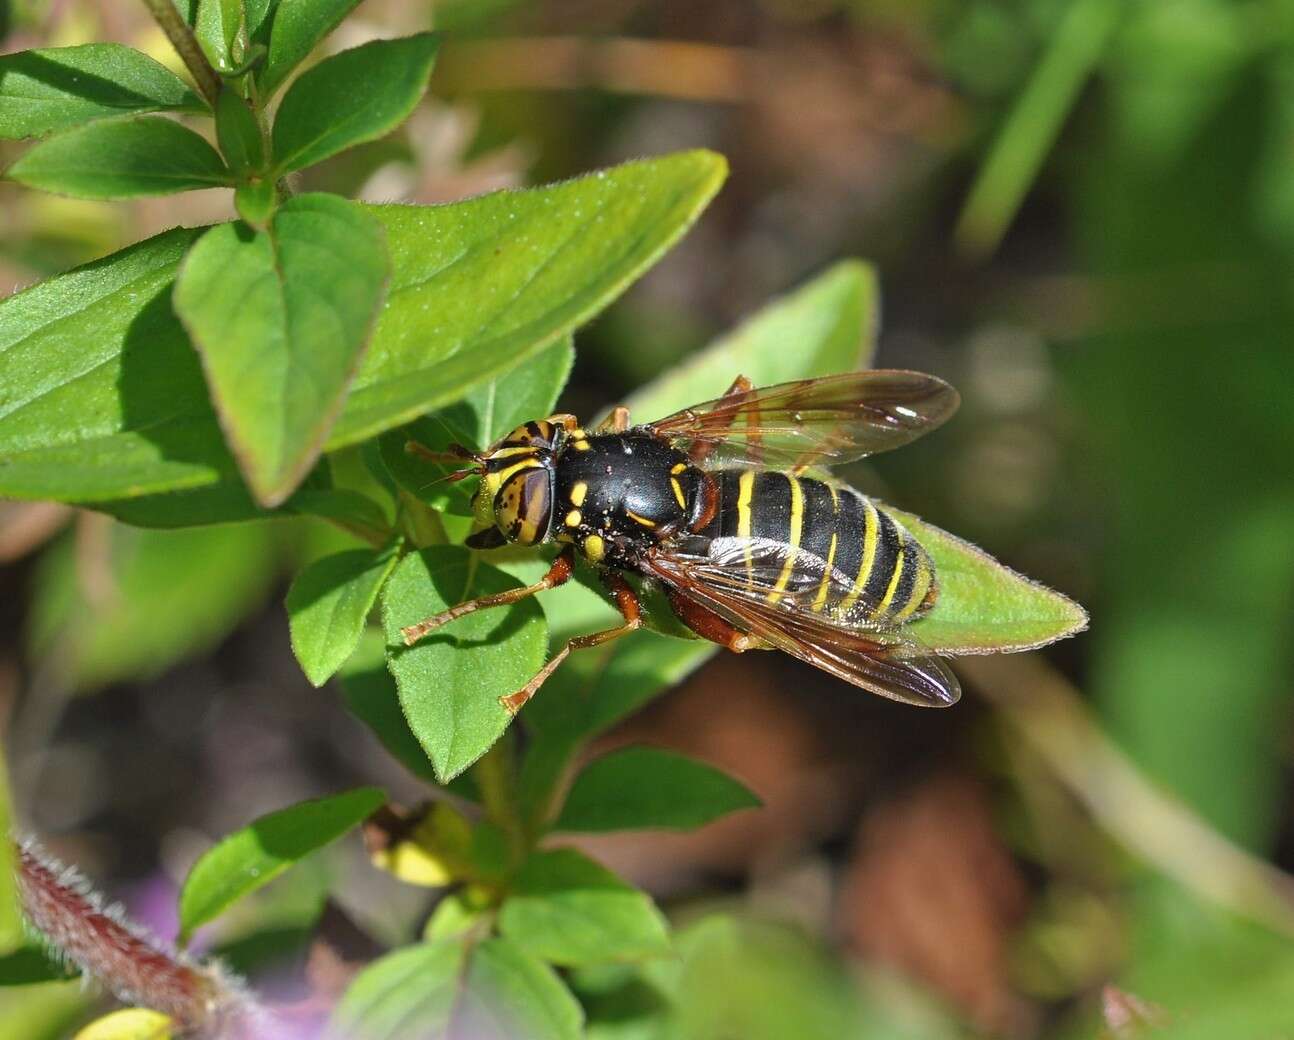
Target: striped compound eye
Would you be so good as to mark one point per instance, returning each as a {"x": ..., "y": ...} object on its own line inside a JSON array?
[{"x": 523, "y": 506}]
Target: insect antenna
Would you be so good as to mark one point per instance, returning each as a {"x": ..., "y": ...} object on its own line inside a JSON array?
[{"x": 454, "y": 453}]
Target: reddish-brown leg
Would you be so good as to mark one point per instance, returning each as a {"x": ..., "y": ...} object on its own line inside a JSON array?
[
  {"x": 702, "y": 450},
  {"x": 709, "y": 625},
  {"x": 616, "y": 422},
  {"x": 630, "y": 610},
  {"x": 558, "y": 574}
]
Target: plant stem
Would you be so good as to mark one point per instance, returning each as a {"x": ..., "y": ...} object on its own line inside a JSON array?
[
  {"x": 496, "y": 775},
  {"x": 186, "y": 45}
]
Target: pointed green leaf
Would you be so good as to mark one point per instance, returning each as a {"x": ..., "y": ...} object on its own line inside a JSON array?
[
  {"x": 56, "y": 88},
  {"x": 355, "y": 96},
  {"x": 825, "y": 326},
  {"x": 649, "y": 787},
  {"x": 489, "y": 412},
  {"x": 446, "y": 988},
  {"x": 121, "y": 159},
  {"x": 370, "y": 694},
  {"x": 566, "y": 909},
  {"x": 328, "y": 604},
  {"x": 292, "y": 31},
  {"x": 984, "y": 606},
  {"x": 238, "y": 133},
  {"x": 102, "y": 396},
  {"x": 450, "y": 682},
  {"x": 280, "y": 318},
  {"x": 254, "y": 856},
  {"x": 215, "y": 23}
]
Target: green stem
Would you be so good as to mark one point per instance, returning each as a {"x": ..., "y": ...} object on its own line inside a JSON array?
[
  {"x": 186, "y": 45},
  {"x": 496, "y": 775},
  {"x": 1034, "y": 123}
]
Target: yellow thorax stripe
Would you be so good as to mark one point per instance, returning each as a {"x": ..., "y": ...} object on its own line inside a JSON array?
[{"x": 745, "y": 488}]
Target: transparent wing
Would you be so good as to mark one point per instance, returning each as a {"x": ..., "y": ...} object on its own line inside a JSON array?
[
  {"x": 825, "y": 421},
  {"x": 747, "y": 583}
]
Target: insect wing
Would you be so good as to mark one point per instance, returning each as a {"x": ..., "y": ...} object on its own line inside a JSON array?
[
  {"x": 824, "y": 421},
  {"x": 742, "y": 581}
]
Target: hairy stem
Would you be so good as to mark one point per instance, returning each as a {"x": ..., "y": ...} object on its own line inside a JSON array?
[
  {"x": 186, "y": 45},
  {"x": 134, "y": 966}
]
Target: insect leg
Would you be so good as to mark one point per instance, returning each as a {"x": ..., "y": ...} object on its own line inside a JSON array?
[
  {"x": 630, "y": 609},
  {"x": 616, "y": 422},
  {"x": 709, "y": 625},
  {"x": 558, "y": 574},
  {"x": 702, "y": 449}
]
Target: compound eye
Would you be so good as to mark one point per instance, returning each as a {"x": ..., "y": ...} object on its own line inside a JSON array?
[{"x": 524, "y": 505}]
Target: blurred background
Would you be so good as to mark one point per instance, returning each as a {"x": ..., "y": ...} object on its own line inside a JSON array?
[{"x": 1082, "y": 213}]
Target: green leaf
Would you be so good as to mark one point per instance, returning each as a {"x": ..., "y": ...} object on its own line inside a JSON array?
[
  {"x": 254, "y": 856},
  {"x": 293, "y": 31},
  {"x": 984, "y": 606},
  {"x": 215, "y": 23},
  {"x": 355, "y": 96},
  {"x": 230, "y": 501},
  {"x": 121, "y": 159},
  {"x": 566, "y": 909},
  {"x": 12, "y": 933},
  {"x": 446, "y": 988},
  {"x": 649, "y": 787},
  {"x": 280, "y": 318},
  {"x": 825, "y": 326},
  {"x": 102, "y": 396},
  {"x": 238, "y": 134},
  {"x": 56, "y": 88},
  {"x": 450, "y": 683},
  {"x": 370, "y": 694},
  {"x": 489, "y": 412},
  {"x": 154, "y": 598},
  {"x": 328, "y": 604},
  {"x": 29, "y": 964}
]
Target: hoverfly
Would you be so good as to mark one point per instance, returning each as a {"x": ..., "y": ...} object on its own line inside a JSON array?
[{"x": 713, "y": 504}]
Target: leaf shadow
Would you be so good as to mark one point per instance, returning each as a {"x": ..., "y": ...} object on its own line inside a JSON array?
[
  {"x": 74, "y": 82},
  {"x": 163, "y": 394}
]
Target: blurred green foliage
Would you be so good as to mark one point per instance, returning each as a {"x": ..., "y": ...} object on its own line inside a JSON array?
[{"x": 1124, "y": 179}]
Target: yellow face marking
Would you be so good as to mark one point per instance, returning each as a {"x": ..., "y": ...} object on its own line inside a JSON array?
[
  {"x": 595, "y": 548},
  {"x": 745, "y": 487},
  {"x": 797, "y": 527},
  {"x": 501, "y": 478},
  {"x": 578, "y": 433},
  {"x": 580, "y": 445},
  {"x": 573, "y": 518},
  {"x": 578, "y": 493},
  {"x": 677, "y": 488},
  {"x": 677, "y": 468},
  {"x": 639, "y": 519},
  {"x": 888, "y": 598},
  {"x": 871, "y": 534}
]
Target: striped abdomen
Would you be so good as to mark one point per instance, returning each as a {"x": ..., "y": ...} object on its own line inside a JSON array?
[{"x": 880, "y": 572}]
